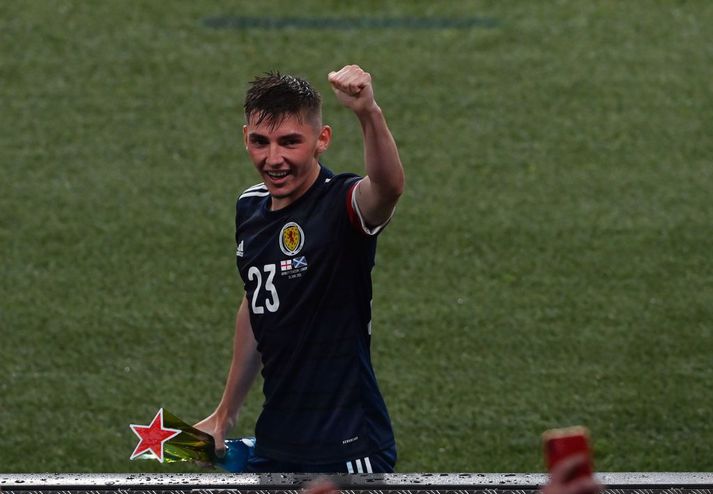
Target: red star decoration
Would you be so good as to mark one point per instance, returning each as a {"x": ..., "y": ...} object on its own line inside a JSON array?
[{"x": 153, "y": 436}]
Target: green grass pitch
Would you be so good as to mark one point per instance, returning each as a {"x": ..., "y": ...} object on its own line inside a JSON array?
[{"x": 550, "y": 263}]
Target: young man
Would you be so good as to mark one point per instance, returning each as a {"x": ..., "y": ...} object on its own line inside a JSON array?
[{"x": 306, "y": 240}]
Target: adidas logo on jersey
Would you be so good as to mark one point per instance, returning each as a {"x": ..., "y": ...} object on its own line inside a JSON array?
[{"x": 239, "y": 252}]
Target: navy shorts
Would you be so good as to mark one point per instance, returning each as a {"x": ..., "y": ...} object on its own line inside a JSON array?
[{"x": 383, "y": 461}]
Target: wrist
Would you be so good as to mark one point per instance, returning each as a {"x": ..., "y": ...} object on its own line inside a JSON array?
[
  {"x": 225, "y": 416},
  {"x": 369, "y": 112}
]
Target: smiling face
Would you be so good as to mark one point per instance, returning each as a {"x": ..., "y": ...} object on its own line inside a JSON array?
[{"x": 285, "y": 153}]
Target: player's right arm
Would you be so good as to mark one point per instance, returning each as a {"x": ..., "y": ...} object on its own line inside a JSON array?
[{"x": 244, "y": 367}]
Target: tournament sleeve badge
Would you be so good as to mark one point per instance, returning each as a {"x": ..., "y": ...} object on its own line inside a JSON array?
[{"x": 170, "y": 439}]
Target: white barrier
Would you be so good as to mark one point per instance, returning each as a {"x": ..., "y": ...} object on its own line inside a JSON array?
[{"x": 427, "y": 483}]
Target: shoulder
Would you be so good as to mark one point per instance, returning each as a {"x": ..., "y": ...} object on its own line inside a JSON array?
[
  {"x": 250, "y": 200},
  {"x": 257, "y": 190},
  {"x": 343, "y": 188},
  {"x": 252, "y": 196},
  {"x": 341, "y": 181}
]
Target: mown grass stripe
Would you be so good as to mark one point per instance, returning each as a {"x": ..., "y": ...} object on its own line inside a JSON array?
[{"x": 248, "y": 22}]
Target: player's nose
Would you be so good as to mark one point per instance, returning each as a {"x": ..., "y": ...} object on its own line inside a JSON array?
[{"x": 274, "y": 156}]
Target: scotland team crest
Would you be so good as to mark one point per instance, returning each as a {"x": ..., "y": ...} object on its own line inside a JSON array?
[{"x": 292, "y": 238}]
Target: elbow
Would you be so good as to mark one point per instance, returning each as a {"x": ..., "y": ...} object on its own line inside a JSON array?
[
  {"x": 399, "y": 185},
  {"x": 396, "y": 185},
  {"x": 391, "y": 192},
  {"x": 389, "y": 187},
  {"x": 397, "y": 192}
]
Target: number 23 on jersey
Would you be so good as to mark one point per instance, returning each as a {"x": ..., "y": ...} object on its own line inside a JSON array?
[{"x": 272, "y": 300}]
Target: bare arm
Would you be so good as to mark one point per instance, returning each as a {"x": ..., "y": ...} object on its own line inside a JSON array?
[
  {"x": 378, "y": 192},
  {"x": 244, "y": 367}
]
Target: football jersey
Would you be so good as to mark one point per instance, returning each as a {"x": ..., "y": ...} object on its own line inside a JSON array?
[{"x": 306, "y": 269}]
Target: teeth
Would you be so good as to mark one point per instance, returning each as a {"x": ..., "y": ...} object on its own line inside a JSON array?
[{"x": 277, "y": 174}]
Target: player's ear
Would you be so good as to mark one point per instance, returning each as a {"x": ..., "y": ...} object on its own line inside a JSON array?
[
  {"x": 245, "y": 136},
  {"x": 324, "y": 138}
]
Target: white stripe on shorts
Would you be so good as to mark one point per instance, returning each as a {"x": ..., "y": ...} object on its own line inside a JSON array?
[{"x": 359, "y": 466}]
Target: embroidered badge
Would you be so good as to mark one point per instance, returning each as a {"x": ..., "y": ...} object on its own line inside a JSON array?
[{"x": 292, "y": 238}]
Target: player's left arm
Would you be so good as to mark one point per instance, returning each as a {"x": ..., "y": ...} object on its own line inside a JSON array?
[{"x": 378, "y": 192}]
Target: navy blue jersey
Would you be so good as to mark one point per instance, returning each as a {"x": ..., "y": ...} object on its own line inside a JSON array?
[{"x": 307, "y": 275}]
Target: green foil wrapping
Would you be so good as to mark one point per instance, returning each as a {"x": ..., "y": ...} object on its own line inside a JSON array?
[{"x": 190, "y": 445}]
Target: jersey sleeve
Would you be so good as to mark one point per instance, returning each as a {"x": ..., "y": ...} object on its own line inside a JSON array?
[{"x": 357, "y": 219}]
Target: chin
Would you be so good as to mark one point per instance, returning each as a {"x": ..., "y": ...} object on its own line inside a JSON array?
[{"x": 279, "y": 194}]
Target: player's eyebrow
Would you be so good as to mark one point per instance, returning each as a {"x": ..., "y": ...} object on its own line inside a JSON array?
[
  {"x": 255, "y": 136},
  {"x": 291, "y": 137}
]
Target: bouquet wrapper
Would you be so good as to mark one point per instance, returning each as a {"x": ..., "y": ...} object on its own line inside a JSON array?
[{"x": 189, "y": 444}]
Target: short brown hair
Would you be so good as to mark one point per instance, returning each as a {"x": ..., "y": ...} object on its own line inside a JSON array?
[{"x": 274, "y": 96}]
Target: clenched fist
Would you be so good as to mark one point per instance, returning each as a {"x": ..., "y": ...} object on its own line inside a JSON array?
[{"x": 352, "y": 85}]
